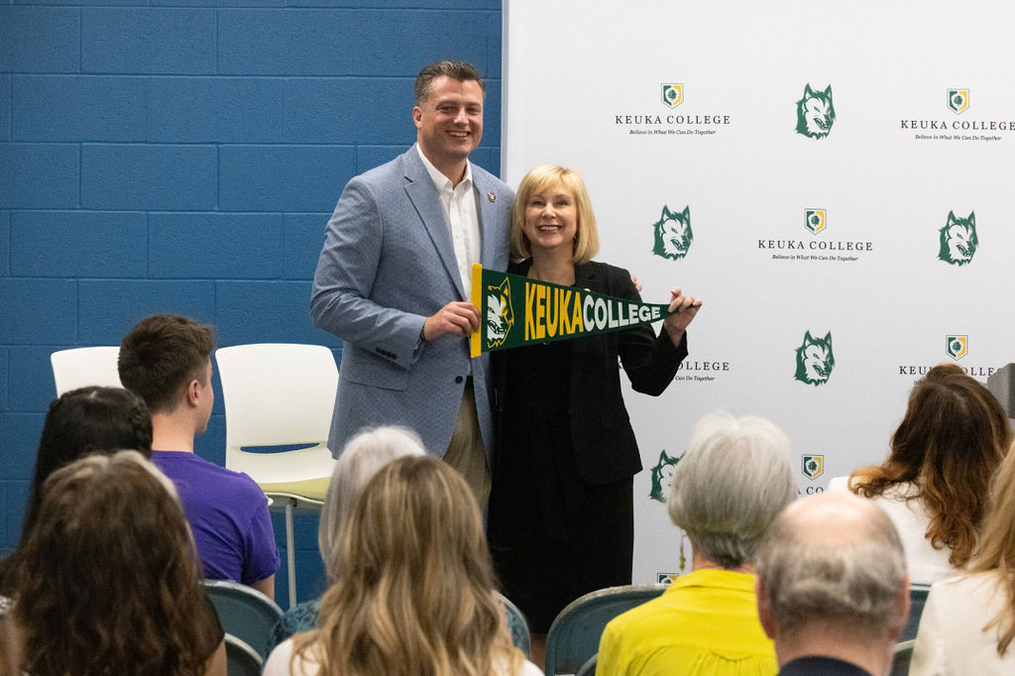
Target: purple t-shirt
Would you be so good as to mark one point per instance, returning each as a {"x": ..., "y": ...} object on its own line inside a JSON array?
[{"x": 228, "y": 514}]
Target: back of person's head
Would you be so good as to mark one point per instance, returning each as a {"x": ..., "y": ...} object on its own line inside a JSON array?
[
  {"x": 78, "y": 423},
  {"x": 108, "y": 580},
  {"x": 833, "y": 558},
  {"x": 362, "y": 456},
  {"x": 415, "y": 594},
  {"x": 997, "y": 550},
  {"x": 950, "y": 443},
  {"x": 734, "y": 478},
  {"x": 161, "y": 355}
]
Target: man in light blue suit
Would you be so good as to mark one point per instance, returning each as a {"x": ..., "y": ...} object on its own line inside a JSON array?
[{"x": 393, "y": 281}]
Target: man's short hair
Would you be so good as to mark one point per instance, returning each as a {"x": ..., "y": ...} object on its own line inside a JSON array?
[
  {"x": 463, "y": 71},
  {"x": 161, "y": 355},
  {"x": 808, "y": 574}
]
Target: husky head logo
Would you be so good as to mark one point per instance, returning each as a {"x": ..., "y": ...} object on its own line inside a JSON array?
[
  {"x": 500, "y": 316},
  {"x": 814, "y": 360},
  {"x": 673, "y": 94},
  {"x": 957, "y": 346},
  {"x": 813, "y": 466},
  {"x": 673, "y": 234},
  {"x": 958, "y": 100},
  {"x": 815, "y": 113},
  {"x": 662, "y": 476},
  {"x": 815, "y": 220},
  {"x": 666, "y": 578},
  {"x": 958, "y": 239}
]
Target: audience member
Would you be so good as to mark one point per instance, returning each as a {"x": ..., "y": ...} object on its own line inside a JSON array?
[
  {"x": 78, "y": 423},
  {"x": 733, "y": 480},
  {"x": 832, "y": 587},
  {"x": 415, "y": 590},
  {"x": 365, "y": 453},
  {"x": 108, "y": 581},
  {"x": 165, "y": 359},
  {"x": 968, "y": 622},
  {"x": 934, "y": 484}
]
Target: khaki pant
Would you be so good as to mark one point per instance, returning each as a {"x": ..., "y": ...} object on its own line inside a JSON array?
[{"x": 466, "y": 453}]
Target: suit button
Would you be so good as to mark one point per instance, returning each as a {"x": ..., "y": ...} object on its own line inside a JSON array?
[{"x": 459, "y": 379}]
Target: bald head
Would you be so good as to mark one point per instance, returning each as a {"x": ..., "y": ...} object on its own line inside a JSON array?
[{"x": 833, "y": 557}]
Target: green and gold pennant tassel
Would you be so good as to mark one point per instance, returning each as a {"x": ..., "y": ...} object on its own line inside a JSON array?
[{"x": 516, "y": 311}]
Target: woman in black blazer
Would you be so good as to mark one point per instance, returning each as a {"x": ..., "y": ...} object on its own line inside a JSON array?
[{"x": 561, "y": 517}]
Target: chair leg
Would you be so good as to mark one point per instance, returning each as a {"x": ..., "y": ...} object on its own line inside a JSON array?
[{"x": 290, "y": 554}]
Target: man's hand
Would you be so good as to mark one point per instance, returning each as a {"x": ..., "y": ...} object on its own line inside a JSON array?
[{"x": 458, "y": 318}]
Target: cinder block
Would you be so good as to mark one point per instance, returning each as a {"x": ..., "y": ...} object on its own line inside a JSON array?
[
  {"x": 171, "y": 41},
  {"x": 109, "y": 309},
  {"x": 39, "y": 176},
  {"x": 214, "y": 110},
  {"x": 494, "y": 39},
  {"x": 283, "y": 178},
  {"x": 19, "y": 438},
  {"x": 17, "y": 504},
  {"x": 368, "y": 157},
  {"x": 32, "y": 374},
  {"x": 5, "y": 540},
  {"x": 215, "y": 246},
  {"x": 39, "y": 39},
  {"x": 37, "y": 311},
  {"x": 78, "y": 244},
  {"x": 349, "y": 110},
  {"x": 78, "y": 108},
  {"x": 3, "y": 383},
  {"x": 5, "y": 238},
  {"x": 212, "y": 444},
  {"x": 491, "y": 114},
  {"x": 310, "y": 42},
  {"x": 149, "y": 177},
  {"x": 267, "y": 312},
  {"x": 483, "y": 156},
  {"x": 406, "y": 4},
  {"x": 5, "y": 107},
  {"x": 304, "y": 237}
]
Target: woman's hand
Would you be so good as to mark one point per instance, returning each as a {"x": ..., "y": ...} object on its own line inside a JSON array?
[{"x": 686, "y": 307}]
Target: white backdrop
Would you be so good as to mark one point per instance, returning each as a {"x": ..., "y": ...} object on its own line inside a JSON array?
[{"x": 923, "y": 109}]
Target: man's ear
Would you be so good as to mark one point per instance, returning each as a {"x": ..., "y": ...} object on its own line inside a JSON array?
[
  {"x": 764, "y": 608},
  {"x": 902, "y": 604},
  {"x": 417, "y": 116},
  {"x": 193, "y": 392}
]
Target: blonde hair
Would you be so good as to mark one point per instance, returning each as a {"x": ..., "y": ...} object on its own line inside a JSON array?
[
  {"x": 586, "y": 241},
  {"x": 415, "y": 595},
  {"x": 997, "y": 550}
]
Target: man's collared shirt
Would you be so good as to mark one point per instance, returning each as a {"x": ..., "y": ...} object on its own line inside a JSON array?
[{"x": 462, "y": 216}]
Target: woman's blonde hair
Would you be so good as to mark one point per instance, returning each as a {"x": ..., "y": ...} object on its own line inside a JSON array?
[
  {"x": 997, "y": 550},
  {"x": 586, "y": 240},
  {"x": 108, "y": 580},
  {"x": 415, "y": 595}
]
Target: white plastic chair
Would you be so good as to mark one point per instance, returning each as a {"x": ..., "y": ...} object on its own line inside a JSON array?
[
  {"x": 280, "y": 394},
  {"x": 84, "y": 366}
]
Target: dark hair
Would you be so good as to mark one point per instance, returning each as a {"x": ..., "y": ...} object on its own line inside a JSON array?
[
  {"x": 949, "y": 445},
  {"x": 108, "y": 580},
  {"x": 463, "y": 71},
  {"x": 161, "y": 355}
]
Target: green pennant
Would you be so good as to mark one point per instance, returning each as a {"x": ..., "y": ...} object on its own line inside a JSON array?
[{"x": 516, "y": 311}]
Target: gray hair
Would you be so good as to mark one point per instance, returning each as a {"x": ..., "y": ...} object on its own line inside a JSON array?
[
  {"x": 735, "y": 477},
  {"x": 366, "y": 453},
  {"x": 833, "y": 557},
  {"x": 463, "y": 71}
]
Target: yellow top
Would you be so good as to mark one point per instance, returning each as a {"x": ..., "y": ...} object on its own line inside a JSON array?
[{"x": 705, "y": 623}]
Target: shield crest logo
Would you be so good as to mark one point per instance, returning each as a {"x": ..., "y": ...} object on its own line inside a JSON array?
[
  {"x": 815, "y": 220},
  {"x": 813, "y": 466},
  {"x": 958, "y": 100},
  {"x": 957, "y": 347},
  {"x": 673, "y": 94}
]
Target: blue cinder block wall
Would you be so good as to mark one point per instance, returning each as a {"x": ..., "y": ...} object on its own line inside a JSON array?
[{"x": 184, "y": 156}]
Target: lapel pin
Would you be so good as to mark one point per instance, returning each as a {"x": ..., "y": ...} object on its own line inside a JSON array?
[{"x": 490, "y": 196}]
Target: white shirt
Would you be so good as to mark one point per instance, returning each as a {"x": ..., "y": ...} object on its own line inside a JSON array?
[
  {"x": 925, "y": 563},
  {"x": 951, "y": 640},
  {"x": 279, "y": 660},
  {"x": 461, "y": 213}
]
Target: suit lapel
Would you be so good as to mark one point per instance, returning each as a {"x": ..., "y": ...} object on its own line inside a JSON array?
[
  {"x": 489, "y": 212},
  {"x": 421, "y": 192}
]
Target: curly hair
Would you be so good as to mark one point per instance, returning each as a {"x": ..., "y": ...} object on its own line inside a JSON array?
[
  {"x": 108, "y": 579},
  {"x": 416, "y": 594},
  {"x": 948, "y": 446}
]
